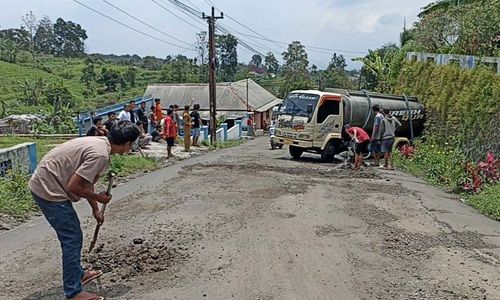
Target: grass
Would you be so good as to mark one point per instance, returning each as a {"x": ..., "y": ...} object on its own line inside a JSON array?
[
  {"x": 125, "y": 165},
  {"x": 487, "y": 201}
]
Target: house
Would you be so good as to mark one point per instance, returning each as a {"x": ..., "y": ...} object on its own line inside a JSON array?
[{"x": 232, "y": 101}]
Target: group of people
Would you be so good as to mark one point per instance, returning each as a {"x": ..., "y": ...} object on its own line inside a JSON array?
[
  {"x": 381, "y": 140},
  {"x": 155, "y": 126}
]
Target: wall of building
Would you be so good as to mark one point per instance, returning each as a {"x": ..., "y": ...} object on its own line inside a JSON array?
[{"x": 21, "y": 158}]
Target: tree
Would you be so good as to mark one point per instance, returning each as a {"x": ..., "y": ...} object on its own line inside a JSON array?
[
  {"x": 130, "y": 75},
  {"x": 295, "y": 73},
  {"x": 460, "y": 27},
  {"x": 179, "y": 69},
  {"x": 8, "y": 50},
  {"x": 57, "y": 95},
  {"x": 376, "y": 68},
  {"x": 256, "y": 60},
  {"x": 89, "y": 78},
  {"x": 227, "y": 57},
  {"x": 59, "y": 115},
  {"x": 30, "y": 91},
  {"x": 31, "y": 24},
  {"x": 70, "y": 38},
  {"x": 111, "y": 79},
  {"x": 335, "y": 74},
  {"x": 271, "y": 63},
  {"x": 152, "y": 63},
  {"x": 44, "y": 36},
  {"x": 20, "y": 37}
]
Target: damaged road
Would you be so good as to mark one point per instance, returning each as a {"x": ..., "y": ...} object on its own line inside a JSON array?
[{"x": 250, "y": 223}]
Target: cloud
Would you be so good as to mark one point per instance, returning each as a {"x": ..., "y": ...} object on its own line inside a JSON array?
[{"x": 391, "y": 19}]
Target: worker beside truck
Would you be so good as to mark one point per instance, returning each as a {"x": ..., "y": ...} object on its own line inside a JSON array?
[{"x": 312, "y": 121}]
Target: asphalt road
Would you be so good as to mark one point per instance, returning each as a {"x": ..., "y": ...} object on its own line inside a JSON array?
[{"x": 250, "y": 223}]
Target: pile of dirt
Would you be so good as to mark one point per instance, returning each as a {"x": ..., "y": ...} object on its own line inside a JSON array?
[{"x": 138, "y": 258}]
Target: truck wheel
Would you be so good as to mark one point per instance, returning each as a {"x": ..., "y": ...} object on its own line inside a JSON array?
[
  {"x": 328, "y": 153},
  {"x": 273, "y": 145},
  {"x": 295, "y": 152},
  {"x": 280, "y": 146}
]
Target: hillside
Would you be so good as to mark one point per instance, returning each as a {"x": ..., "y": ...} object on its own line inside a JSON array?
[{"x": 68, "y": 71}]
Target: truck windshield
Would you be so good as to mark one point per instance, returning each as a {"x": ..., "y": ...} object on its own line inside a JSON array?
[{"x": 296, "y": 104}]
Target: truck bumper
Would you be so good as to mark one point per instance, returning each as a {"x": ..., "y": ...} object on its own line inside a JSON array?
[{"x": 294, "y": 142}]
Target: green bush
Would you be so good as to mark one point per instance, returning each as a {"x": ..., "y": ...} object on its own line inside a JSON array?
[
  {"x": 488, "y": 201},
  {"x": 15, "y": 198}
]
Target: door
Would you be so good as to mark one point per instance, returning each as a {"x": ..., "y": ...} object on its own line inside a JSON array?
[{"x": 329, "y": 117}]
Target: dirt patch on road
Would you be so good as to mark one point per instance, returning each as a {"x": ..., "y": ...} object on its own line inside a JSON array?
[
  {"x": 138, "y": 258},
  {"x": 317, "y": 171}
]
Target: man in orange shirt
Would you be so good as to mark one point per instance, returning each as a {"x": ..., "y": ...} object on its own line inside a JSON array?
[
  {"x": 169, "y": 131},
  {"x": 158, "y": 113}
]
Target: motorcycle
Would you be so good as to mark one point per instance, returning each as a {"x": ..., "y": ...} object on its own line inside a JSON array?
[{"x": 272, "y": 138}]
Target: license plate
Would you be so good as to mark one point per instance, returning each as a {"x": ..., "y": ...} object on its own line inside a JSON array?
[{"x": 288, "y": 141}]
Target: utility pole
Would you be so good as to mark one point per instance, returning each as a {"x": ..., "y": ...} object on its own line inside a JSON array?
[
  {"x": 211, "y": 73},
  {"x": 248, "y": 109}
]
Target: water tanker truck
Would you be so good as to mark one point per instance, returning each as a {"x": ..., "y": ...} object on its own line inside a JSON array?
[{"x": 312, "y": 121}]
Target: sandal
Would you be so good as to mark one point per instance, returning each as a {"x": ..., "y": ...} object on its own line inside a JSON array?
[
  {"x": 90, "y": 275},
  {"x": 88, "y": 296}
]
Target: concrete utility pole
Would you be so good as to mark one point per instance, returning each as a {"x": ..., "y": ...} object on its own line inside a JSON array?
[{"x": 211, "y": 73}]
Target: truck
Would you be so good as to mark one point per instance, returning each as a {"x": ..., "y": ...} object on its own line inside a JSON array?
[{"x": 313, "y": 121}]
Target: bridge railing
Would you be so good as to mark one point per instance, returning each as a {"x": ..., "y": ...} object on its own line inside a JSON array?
[{"x": 84, "y": 119}]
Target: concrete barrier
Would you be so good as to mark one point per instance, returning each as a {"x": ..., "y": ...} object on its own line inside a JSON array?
[{"x": 21, "y": 158}]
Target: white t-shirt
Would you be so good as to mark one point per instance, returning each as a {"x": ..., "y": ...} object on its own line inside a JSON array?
[{"x": 124, "y": 116}]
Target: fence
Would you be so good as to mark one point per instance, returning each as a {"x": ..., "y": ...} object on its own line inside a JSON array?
[{"x": 464, "y": 61}]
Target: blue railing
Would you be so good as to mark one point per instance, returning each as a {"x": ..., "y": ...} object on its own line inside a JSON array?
[{"x": 85, "y": 118}]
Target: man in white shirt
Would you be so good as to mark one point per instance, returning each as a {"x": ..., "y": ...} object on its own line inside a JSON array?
[{"x": 124, "y": 115}]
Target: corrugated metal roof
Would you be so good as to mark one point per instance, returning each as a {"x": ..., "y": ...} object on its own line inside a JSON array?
[
  {"x": 269, "y": 105},
  {"x": 230, "y": 96}
]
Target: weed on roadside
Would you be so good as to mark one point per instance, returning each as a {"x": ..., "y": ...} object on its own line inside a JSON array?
[
  {"x": 226, "y": 144},
  {"x": 15, "y": 198}
]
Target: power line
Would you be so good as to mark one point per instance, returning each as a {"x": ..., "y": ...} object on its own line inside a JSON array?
[
  {"x": 130, "y": 27},
  {"x": 144, "y": 23},
  {"x": 192, "y": 13},
  {"x": 262, "y": 37},
  {"x": 184, "y": 20}
]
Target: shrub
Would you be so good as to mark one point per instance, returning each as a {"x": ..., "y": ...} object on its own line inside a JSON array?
[{"x": 485, "y": 172}]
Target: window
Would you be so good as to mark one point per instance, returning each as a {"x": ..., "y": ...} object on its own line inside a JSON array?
[{"x": 328, "y": 107}]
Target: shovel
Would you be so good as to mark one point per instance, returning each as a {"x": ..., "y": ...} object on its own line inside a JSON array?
[{"x": 98, "y": 226}]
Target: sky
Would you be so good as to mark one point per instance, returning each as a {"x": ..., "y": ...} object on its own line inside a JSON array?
[{"x": 347, "y": 27}]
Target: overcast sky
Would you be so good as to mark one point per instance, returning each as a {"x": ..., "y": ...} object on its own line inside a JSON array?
[{"x": 349, "y": 27}]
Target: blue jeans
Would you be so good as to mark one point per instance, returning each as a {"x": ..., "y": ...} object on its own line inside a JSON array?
[{"x": 63, "y": 218}]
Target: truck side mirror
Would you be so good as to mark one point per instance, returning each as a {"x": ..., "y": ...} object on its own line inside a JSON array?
[{"x": 309, "y": 108}]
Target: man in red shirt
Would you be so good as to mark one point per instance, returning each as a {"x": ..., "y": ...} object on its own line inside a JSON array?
[
  {"x": 169, "y": 132},
  {"x": 362, "y": 139}
]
